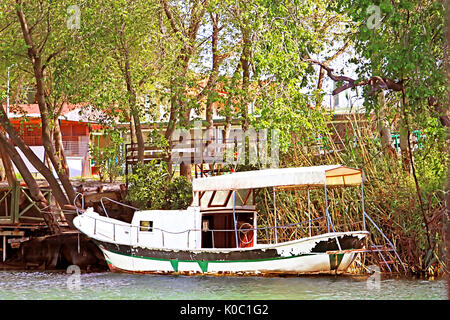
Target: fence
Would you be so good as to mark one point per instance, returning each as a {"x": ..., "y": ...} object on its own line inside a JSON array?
[{"x": 16, "y": 205}]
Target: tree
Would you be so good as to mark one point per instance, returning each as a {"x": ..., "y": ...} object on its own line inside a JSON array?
[
  {"x": 43, "y": 40},
  {"x": 402, "y": 44},
  {"x": 184, "y": 25}
]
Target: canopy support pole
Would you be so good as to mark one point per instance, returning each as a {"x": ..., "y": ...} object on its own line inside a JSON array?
[
  {"x": 363, "y": 209},
  {"x": 329, "y": 222},
  {"x": 275, "y": 213},
  {"x": 309, "y": 213},
  {"x": 234, "y": 218},
  {"x": 326, "y": 207}
]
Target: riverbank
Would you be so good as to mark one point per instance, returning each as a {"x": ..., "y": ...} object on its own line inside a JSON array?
[{"x": 56, "y": 252}]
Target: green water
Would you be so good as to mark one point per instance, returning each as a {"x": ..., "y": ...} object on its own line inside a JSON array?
[{"x": 15, "y": 285}]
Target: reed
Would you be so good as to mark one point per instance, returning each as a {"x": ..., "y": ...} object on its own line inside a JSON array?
[{"x": 390, "y": 200}]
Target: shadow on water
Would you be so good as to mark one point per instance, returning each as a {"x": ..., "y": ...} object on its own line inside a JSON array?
[{"x": 94, "y": 286}]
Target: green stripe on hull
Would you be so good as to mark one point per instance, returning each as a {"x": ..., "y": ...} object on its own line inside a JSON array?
[
  {"x": 203, "y": 265},
  {"x": 335, "y": 260},
  {"x": 175, "y": 262}
]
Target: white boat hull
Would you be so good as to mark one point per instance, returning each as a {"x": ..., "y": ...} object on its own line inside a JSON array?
[
  {"x": 294, "y": 257},
  {"x": 318, "y": 263},
  {"x": 125, "y": 250}
]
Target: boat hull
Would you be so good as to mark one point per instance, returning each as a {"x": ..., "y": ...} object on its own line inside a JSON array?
[{"x": 319, "y": 254}]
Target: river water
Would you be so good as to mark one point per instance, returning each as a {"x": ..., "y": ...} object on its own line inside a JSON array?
[{"x": 17, "y": 285}]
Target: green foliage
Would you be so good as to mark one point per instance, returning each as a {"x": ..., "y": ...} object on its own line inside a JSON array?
[
  {"x": 108, "y": 159},
  {"x": 166, "y": 65},
  {"x": 431, "y": 158},
  {"x": 178, "y": 194},
  {"x": 407, "y": 45},
  {"x": 151, "y": 187},
  {"x": 147, "y": 185}
]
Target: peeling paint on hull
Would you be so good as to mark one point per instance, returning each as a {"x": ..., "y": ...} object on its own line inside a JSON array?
[{"x": 304, "y": 256}]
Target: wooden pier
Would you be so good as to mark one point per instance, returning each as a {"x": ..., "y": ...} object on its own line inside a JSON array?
[{"x": 19, "y": 215}]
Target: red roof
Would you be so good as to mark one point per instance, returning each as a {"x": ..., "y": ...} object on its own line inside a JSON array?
[{"x": 33, "y": 109}]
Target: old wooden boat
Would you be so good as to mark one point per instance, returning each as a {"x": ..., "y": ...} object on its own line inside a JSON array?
[{"x": 218, "y": 234}]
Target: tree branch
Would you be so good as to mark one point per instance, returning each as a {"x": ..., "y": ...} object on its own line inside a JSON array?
[
  {"x": 375, "y": 82},
  {"x": 171, "y": 18}
]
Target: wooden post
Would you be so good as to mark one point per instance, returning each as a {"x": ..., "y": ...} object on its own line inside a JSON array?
[{"x": 15, "y": 202}]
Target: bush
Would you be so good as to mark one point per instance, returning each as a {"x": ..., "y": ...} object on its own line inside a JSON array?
[
  {"x": 178, "y": 194},
  {"x": 108, "y": 159},
  {"x": 151, "y": 187}
]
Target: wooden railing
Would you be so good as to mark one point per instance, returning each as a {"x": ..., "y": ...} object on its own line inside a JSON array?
[{"x": 16, "y": 203}]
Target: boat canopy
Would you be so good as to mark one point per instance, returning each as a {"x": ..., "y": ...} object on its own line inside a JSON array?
[{"x": 282, "y": 178}]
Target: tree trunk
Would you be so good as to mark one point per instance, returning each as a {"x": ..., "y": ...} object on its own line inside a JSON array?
[
  {"x": 7, "y": 165},
  {"x": 173, "y": 113},
  {"x": 35, "y": 191},
  {"x": 319, "y": 98},
  {"x": 245, "y": 64},
  {"x": 447, "y": 124},
  {"x": 34, "y": 160},
  {"x": 405, "y": 126},
  {"x": 35, "y": 58},
  {"x": 179, "y": 108},
  {"x": 133, "y": 139},
  {"x": 404, "y": 132},
  {"x": 57, "y": 137},
  {"x": 383, "y": 126},
  {"x": 134, "y": 111},
  {"x": 139, "y": 137}
]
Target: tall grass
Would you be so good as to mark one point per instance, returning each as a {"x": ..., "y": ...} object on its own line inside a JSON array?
[{"x": 390, "y": 200}]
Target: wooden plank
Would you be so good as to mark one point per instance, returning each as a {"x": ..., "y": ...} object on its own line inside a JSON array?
[
  {"x": 12, "y": 233},
  {"x": 5, "y": 220},
  {"x": 96, "y": 197}
]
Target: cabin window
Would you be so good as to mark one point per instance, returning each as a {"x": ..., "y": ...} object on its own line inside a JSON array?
[{"x": 146, "y": 226}]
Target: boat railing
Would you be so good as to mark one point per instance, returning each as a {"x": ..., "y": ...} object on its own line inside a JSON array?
[
  {"x": 113, "y": 233},
  {"x": 116, "y": 202},
  {"x": 78, "y": 210}
]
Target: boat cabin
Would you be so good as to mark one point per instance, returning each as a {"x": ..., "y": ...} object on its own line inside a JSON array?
[
  {"x": 223, "y": 212},
  {"x": 195, "y": 228}
]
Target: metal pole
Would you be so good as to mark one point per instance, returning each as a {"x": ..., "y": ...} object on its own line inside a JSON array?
[
  {"x": 234, "y": 218},
  {"x": 326, "y": 207},
  {"x": 363, "y": 209},
  {"x": 78, "y": 243},
  {"x": 7, "y": 96},
  {"x": 7, "y": 99},
  {"x": 309, "y": 214},
  {"x": 275, "y": 213},
  {"x": 4, "y": 248},
  {"x": 329, "y": 222}
]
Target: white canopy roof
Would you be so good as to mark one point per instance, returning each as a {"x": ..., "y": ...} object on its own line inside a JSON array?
[{"x": 332, "y": 175}]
